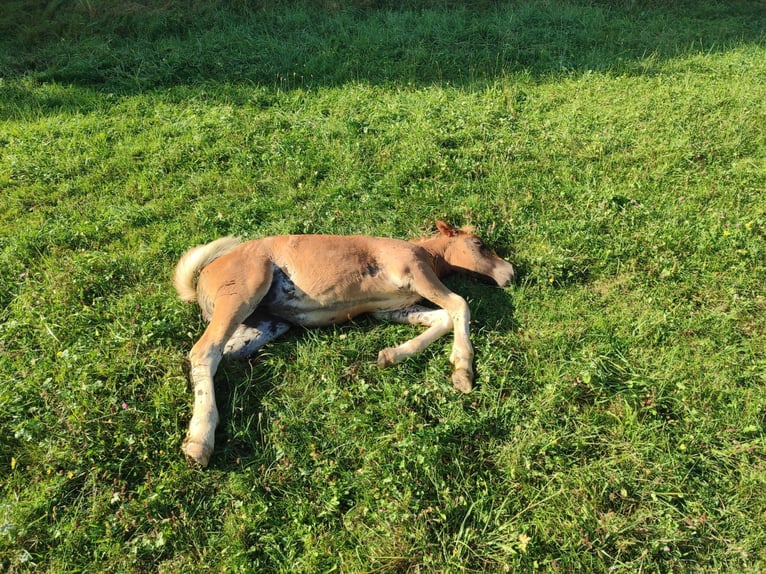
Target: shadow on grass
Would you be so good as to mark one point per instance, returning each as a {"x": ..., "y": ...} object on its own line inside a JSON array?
[
  {"x": 491, "y": 307},
  {"x": 241, "y": 386},
  {"x": 129, "y": 47}
]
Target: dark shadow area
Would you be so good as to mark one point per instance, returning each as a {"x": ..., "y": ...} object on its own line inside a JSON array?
[
  {"x": 491, "y": 306},
  {"x": 241, "y": 386},
  {"x": 127, "y": 47}
]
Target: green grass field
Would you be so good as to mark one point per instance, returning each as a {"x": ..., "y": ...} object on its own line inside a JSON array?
[{"x": 614, "y": 151}]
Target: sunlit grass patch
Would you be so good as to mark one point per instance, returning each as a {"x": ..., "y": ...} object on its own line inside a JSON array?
[{"x": 614, "y": 153}]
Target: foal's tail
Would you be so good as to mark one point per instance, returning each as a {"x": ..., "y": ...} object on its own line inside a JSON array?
[{"x": 191, "y": 262}]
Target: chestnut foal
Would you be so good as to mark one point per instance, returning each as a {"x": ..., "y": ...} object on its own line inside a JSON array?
[{"x": 252, "y": 292}]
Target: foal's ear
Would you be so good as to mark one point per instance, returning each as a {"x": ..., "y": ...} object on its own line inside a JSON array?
[{"x": 446, "y": 228}]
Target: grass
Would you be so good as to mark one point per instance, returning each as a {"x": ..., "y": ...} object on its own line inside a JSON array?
[{"x": 614, "y": 151}]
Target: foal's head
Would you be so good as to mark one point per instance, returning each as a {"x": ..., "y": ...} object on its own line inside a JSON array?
[{"x": 466, "y": 253}]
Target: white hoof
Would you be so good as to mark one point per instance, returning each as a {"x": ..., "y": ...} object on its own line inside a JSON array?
[{"x": 197, "y": 454}]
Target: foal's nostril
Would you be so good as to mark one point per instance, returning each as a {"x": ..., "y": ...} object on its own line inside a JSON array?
[{"x": 506, "y": 276}]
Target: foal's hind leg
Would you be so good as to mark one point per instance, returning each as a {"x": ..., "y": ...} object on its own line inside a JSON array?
[
  {"x": 257, "y": 330},
  {"x": 235, "y": 301},
  {"x": 204, "y": 359}
]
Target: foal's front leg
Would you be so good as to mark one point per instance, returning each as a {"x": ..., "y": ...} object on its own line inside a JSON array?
[
  {"x": 461, "y": 356},
  {"x": 437, "y": 320},
  {"x": 426, "y": 284},
  {"x": 439, "y": 323}
]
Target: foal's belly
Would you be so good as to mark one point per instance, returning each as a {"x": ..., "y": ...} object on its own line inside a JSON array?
[{"x": 288, "y": 301}]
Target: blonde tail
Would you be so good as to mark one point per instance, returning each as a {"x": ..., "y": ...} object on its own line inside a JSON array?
[{"x": 191, "y": 262}]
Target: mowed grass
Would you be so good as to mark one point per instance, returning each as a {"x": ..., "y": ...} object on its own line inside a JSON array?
[{"x": 615, "y": 152}]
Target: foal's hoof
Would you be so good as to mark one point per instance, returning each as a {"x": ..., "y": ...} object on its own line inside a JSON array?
[
  {"x": 196, "y": 453},
  {"x": 462, "y": 381},
  {"x": 387, "y": 357}
]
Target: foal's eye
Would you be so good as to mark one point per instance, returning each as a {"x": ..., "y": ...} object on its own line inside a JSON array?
[{"x": 478, "y": 242}]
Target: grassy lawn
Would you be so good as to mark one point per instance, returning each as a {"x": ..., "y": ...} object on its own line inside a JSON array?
[{"x": 614, "y": 151}]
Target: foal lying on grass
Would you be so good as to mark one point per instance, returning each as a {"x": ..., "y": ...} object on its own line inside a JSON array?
[{"x": 252, "y": 292}]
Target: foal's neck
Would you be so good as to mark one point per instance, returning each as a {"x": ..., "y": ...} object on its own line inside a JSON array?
[{"x": 437, "y": 248}]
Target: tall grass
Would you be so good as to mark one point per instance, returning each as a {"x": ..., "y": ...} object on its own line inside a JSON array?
[{"x": 614, "y": 151}]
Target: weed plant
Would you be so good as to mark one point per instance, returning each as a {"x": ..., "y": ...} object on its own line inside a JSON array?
[{"x": 615, "y": 151}]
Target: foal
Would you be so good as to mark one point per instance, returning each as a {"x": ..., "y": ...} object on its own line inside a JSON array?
[{"x": 252, "y": 292}]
